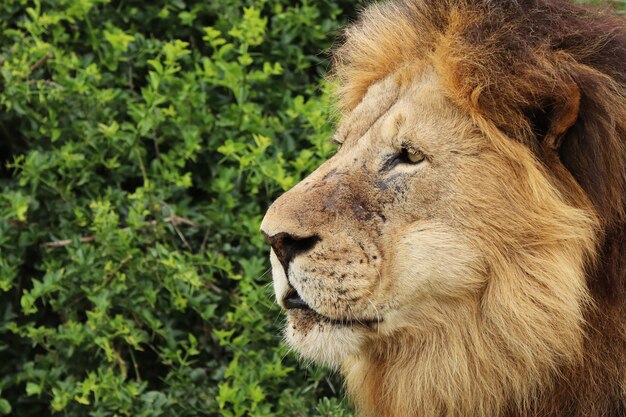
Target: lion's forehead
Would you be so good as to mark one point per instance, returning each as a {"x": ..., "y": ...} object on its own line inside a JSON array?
[
  {"x": 379, "y": 99},
  {"x": 388, "y": 111}
]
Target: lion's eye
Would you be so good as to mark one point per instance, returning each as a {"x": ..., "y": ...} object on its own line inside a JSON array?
[{"x": 410, "y": 155}]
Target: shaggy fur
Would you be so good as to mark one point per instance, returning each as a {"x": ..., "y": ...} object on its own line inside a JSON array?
[{"x": 488, "y": 279}]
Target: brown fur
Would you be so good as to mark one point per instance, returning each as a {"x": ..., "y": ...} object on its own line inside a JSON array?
[{"x": 496, "y": 267}]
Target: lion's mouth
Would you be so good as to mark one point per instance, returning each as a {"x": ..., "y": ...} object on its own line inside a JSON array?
[{"x": 293, "y": 301}]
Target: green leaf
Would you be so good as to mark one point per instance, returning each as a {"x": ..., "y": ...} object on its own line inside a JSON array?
[
  {"x": 33, "y": 389},
  {"x": 5, "y": 407}
]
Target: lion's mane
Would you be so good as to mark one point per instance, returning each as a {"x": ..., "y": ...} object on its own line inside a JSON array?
[{"x": 513, "y": 66}]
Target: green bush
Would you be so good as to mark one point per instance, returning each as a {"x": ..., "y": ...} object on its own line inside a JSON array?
[{"x": 140, "y": 144}]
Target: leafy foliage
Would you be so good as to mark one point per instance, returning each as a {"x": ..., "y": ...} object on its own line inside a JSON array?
[{"x": 140, "y": 144}]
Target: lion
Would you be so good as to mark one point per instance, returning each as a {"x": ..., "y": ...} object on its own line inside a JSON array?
[{"x": 463, "y": 252}]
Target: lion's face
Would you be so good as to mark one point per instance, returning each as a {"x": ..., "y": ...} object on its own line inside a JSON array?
[{"x": 376, "y": 239}]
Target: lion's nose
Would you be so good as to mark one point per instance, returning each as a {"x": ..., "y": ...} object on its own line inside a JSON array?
[{"x": 287, "y": 246}]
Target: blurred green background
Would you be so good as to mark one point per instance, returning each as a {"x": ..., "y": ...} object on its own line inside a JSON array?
[{"x": 140, "y": 144}]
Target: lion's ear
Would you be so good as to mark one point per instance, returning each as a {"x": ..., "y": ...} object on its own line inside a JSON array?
[
  {"x": 564, "y": 116},
  {"x": 560, "y": 115}
]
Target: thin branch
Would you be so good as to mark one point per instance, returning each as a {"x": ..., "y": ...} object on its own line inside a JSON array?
[
  {"x": 134, "y": 361},
  {"x": 155, "y": 141},
  {"x": 142, "y": 167},
  {"x": 205, "y": 239},
  {"x": 121, "y": 363},
  {"x": 131, "y": 85},
  {"x": 174, "y": 220},
  {"x": 178, "y": 232},
  {"x": 48, "y": 83},
  {"x": 110, "y": 275},
  {"x": 182, "y": 238},
  {"x": 41, "y": 62},
  {"x": 66, "y": 242},
  {"x": 215, "y": 288}
]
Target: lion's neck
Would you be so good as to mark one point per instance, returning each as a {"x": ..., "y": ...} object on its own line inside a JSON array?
[
  {"x": 451, "y": 373},
  {"x": 483, "y": 358},
  {"x": 460, "y": 372}
]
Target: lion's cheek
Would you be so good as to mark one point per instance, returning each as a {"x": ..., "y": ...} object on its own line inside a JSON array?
[{"x": 435, "y": 261}]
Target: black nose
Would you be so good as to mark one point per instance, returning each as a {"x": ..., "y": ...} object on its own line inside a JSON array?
[{"x": 287, "y": 246}]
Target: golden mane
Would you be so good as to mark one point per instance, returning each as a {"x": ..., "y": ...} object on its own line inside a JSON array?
[
  {"x": 510, "y": 62},
  {"x": 513, "y": 65}
]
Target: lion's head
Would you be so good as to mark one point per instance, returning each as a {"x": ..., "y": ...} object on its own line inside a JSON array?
[{"x": 461, "y": 254}]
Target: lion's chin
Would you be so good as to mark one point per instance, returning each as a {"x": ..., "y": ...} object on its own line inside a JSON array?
[{"x": 321, "y": 341}]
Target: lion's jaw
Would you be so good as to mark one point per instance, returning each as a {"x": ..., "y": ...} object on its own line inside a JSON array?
[{"x": 439, "y": 259}]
